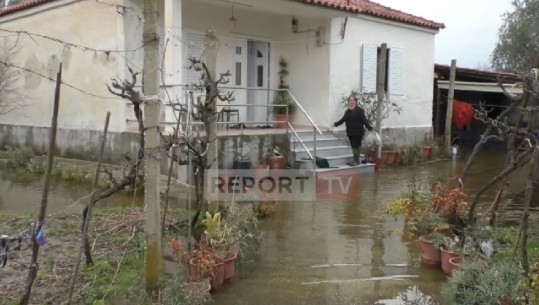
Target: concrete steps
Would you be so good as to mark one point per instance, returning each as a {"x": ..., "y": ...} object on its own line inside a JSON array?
[{"x": 328, "y": 146}]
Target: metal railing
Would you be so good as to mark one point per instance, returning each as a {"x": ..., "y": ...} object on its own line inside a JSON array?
[{"x": 289, "y": 127}]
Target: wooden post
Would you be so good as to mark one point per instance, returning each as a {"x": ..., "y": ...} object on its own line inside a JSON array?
[
  {"x": 87, "y": 214},
  {"x": 437, "y": 114},
  {"x": 34, "y": 266},
  {"x": 152, "y": 154},
  {"x": 380, "y": 91},
  {"x": 449, "y": 113}
]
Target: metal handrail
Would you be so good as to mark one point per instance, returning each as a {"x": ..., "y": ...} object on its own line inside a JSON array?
[
  {"x": 316, "y": 129},
  {"x": 300, "y": 141}
]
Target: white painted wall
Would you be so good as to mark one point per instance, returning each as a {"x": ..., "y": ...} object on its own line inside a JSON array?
[
  {"x": 86, "y": 24},
  {"x": 345, "y": 66},
  {"x": 308, "y": 64}
]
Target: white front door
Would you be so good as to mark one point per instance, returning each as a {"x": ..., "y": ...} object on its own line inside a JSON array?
[
  {"x": 239, "y": 77},
  {"x": 250, "y": 64},
  {"x": 258, "y": 78}
]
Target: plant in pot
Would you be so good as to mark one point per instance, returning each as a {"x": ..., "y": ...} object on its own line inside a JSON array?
[
  {"x": 454, "y": 248},
  {"x": 198, "y": 267},
  {"x": 411, "y": 204},
  {"x": 428, "y": 227},
  {"x": 221, "y": 243},
  {"x": 286, "y": 107},
  {"x": 475, "y": 283}
]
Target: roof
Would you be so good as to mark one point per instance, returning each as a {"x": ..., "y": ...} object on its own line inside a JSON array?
[
  {"x": 475, "y": 75},
  {"x": 364, "y": 7},
  {"x": 24, "y": 4},
  {"x": 367, "y": 7}
]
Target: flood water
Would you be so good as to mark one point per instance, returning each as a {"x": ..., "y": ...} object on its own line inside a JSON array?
[
  {"x": 350, "y": 252},
  {"x": 339, "y": 252}
]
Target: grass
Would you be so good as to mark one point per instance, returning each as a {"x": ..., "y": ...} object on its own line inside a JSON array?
[{"x": 119, "y": 256}]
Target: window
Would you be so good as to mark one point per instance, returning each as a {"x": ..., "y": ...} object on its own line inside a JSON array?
[
  {"x": 195, "y": 48},
  {"x": 238, "y": 74},
  {"x": 394, "y": 82}
]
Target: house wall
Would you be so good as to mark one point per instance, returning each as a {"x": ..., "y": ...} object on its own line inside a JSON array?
[
  {"x": 414, "y": 123},
  {"x": 308, "y": 64},
  {"x": 77, "y": 34},
  {"x": 82, "y": 24}
]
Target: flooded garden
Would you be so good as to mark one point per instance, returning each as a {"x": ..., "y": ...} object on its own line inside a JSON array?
[{"x": 335, "y": 252}]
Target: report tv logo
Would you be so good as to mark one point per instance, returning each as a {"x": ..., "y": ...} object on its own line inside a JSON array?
[{"x": 281, "y": 185}]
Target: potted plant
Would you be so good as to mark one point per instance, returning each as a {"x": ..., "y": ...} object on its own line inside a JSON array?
[
  {"x": 475, "y": 283},
  {"x": 452, "y": 248},
  {"x": 428, "y": 227},
  {"x": 286, "y": 106},
  {"x": 199, "y": 267},
  {"x": 221, "y": 243}
]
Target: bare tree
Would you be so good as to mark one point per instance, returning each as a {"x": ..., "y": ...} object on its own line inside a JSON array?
[
  {"x": 10, "y": 95},
  {"x": 203, "y": 109}
]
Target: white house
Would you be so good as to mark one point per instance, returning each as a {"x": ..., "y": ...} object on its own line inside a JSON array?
[{"x": 330, "y": 46}]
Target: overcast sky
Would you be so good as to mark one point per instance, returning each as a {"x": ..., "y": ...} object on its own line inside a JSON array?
[{"x": 471, "y": 27}]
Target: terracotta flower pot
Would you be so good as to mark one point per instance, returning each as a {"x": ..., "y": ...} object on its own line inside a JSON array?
[
  {"x": 430, "y": 255},
  {"x": 217, "y": 276},
  {"x": 446, "y": 255},
  {"x": 276, "y": 162},
  {"x": 391, "y": 157},
  {"x": 384, "y": 157},
  {"x": 426, "y": 153},
  {"x": 230, "y": 268},
  {"x": 398, "y": 158},
  {"x": 454, "y": 263}
]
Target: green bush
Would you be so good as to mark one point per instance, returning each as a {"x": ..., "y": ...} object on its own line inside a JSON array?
[{"x": 476, "y": 284}]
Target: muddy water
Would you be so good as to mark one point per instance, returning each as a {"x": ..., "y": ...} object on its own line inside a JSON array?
[
  {"x": 349, "y": 252},
  {"x": 339, "y": 252}
]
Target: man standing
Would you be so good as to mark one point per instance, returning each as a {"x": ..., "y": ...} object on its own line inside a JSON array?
[{"x": 355, "y": 120}]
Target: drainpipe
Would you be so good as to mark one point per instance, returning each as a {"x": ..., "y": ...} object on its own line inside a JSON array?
[{"x": 380, "y": 90}]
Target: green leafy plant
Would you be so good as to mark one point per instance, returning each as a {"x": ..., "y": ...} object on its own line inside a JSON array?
[
  {"x": 283, "y": 98},
  {"x": 242, "y": 220},
  {"x": 474, "y": 283}
]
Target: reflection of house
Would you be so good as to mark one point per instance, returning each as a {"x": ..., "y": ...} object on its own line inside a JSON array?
[
  {"x": 474, "y": 87},
  {"x": 331, "y": 47}
]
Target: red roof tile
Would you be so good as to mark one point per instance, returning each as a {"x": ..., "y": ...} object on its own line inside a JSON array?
[
  {"x": 21, "y": 6},
  {"x": 366, "y": 7},
  {"x": 357, "y": 6}
]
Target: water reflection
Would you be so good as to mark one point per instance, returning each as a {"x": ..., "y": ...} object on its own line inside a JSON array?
[
  {"x": 325, "y": 252},
  {"x": 351, "y": 251}
]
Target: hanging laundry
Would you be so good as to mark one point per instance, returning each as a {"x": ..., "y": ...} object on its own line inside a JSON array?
[{"x": 462, "y": 114}]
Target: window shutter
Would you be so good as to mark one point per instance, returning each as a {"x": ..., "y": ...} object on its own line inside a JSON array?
[
  {"x": 195, "y": 48},
  {"x": 395, "y": 78},
  {"x": 368, "y": 68}
]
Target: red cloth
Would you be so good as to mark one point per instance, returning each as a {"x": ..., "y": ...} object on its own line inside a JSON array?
[{"x": 462, "y": 114}]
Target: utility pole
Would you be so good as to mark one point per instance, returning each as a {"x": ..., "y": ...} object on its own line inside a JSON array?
[
  {"x": 380, "y": 91},
  {"x": 150, "y": 38},
  {"x": 449, "y": 113}
]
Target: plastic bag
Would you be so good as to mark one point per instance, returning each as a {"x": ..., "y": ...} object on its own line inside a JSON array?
[{"x": 373, "y": 138}]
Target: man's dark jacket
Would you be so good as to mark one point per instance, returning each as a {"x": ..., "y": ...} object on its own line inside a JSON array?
[{"x": 355, "y": 121}]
